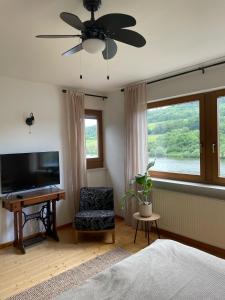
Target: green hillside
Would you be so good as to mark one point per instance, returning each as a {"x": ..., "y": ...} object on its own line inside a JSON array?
[
  {"x": 91, "y": 141},
  {"x": 173, "y": 131}
]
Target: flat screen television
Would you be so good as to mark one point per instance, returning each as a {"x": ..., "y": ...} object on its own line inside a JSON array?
[{"x": 25, "y": 171}]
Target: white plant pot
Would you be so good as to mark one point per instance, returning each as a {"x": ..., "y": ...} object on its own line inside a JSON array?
[{"x": 145, "y": 210}]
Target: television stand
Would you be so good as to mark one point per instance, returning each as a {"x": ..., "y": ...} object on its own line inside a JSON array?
[{"x": 47, "y": 214}]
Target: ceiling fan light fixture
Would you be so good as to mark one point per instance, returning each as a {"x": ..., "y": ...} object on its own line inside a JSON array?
[{"x": 94, "y": 45}]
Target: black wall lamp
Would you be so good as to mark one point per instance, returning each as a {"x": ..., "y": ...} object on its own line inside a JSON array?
[{"x": 30, "y": 120}]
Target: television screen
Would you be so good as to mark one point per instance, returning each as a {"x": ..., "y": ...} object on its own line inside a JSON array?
[{"x": 26, "y": 171}]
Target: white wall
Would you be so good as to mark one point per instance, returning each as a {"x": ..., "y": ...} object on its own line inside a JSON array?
[
  {"x": 17, "y": 99},
  {"x": 213, "y": 78},
  {"x": 174, "y": 207}
]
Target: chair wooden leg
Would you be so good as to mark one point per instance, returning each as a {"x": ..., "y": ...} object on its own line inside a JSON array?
[
  {"x": 76, "y": 236},
  {"x": 113, "y": 236}
]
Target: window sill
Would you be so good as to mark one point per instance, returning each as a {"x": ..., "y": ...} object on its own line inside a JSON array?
[{"x": 207, "y": 190}]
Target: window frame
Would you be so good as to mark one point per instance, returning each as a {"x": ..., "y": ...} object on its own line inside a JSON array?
[
  {"x": 213, "y": 133},
  {"x": 97, "y": 162},
  {"x": 182, "y": 176}
]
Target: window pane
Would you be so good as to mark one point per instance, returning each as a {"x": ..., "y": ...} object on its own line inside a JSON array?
[
  {"x": 221, "y": 133},
  {"x": 173, "y": 138},
  {"x": 91, "y": 135}
]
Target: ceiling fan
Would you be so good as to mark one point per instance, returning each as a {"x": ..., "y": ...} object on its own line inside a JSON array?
[{"x": 100, "y": 35}]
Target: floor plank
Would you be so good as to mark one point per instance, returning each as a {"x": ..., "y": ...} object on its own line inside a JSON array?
[{"x": 49, "y": 258}]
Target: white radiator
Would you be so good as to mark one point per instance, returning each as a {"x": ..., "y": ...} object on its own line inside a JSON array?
[{"x": 196, "y": 217}]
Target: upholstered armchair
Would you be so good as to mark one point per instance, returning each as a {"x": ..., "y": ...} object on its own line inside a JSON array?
[{"x": 96, "y": 213}]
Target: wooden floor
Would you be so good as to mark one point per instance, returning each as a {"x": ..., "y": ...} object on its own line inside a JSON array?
[{"x": 47, "y": 259}]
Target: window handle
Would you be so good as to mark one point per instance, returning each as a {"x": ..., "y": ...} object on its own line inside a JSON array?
[
  {"x": 201, "y": 147},
  {"x": 213, "y": 148}
]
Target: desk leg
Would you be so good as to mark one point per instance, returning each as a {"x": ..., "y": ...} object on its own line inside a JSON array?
[
  {"x": 15, "y": 243},
  {"x": 55, "y": 235},
  {"x": 20, "y": 243},
  {"x": 49, "y": 229}
]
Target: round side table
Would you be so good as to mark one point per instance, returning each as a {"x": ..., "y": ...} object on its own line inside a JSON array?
[{"x": 147, "y": 224}]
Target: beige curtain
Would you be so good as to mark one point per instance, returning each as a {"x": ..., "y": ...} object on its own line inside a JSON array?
[
  {"x": 75, "y": 164},
  {"x": 135, "y": 139}
]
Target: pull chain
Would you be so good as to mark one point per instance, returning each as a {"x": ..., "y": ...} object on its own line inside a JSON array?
[
  {"x": 81, "y": 75},
  {"x": 107, "y": 70},
  {"x": 107, "y": 54}
]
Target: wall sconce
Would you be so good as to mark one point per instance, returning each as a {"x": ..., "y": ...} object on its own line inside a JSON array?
[{"x": 30, "y": 121}]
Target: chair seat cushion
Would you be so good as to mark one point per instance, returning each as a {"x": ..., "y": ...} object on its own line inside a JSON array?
[{"x": 95, "y": 220}]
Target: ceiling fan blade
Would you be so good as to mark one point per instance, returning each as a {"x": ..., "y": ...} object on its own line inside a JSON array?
[
  {"x": 110, "y": 50},
  {"x": 73, "y": 50},
  {"x": 46, "y": 36},
  {"x": 129, "y": 37},
  {"x": 115, "y": 21},
  {"x": 72, "y": 20}
]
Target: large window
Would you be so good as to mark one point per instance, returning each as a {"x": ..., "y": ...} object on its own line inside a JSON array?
[
  {"x": 186, "y": 138},
  {"x": 93, "y": 138}
]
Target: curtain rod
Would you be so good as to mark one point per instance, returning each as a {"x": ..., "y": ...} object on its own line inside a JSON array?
[
  {"x": 202, "y": 69},
  {"x": 90, "y": 95}
]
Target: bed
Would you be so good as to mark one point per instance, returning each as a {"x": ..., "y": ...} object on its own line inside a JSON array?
[{"x": 164, "y": 270}]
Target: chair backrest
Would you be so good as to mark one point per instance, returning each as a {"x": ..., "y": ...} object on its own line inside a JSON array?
[{"x": 96, "y": 198}]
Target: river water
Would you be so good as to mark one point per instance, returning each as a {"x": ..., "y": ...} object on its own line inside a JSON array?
[{"x": 185, "y": 166}]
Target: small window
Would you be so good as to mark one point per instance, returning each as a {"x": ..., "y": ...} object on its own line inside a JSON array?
[{"x": 94, "y": 138}]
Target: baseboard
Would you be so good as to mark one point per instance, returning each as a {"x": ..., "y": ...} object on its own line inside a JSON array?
[
  {"x": 10, "y": 244},
  {"x": 6, "y": 245},
  {"x": 60, "y": 227},
  {"x": 193, "y": 243},
  {"x": 119, "y": 218}
]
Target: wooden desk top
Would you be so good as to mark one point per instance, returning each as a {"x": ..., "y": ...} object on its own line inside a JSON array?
[{"x": 32, "y": 198}]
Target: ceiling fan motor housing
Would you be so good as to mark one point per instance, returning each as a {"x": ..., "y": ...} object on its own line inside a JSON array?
[
  {"x": 92, "y": 5},
  {"x": 93, "y": 33}
]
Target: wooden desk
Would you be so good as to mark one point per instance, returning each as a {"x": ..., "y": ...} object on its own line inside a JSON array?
[{"x": 47, "y": 214}]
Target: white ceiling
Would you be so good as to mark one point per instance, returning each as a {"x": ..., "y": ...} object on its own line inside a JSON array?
[{"x": 179, "y": 33}]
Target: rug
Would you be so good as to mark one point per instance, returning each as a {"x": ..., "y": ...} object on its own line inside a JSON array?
[{"x": 55, "y": 286}]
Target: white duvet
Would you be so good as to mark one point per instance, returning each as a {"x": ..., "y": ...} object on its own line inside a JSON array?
[{"x": 164, "y": 270}]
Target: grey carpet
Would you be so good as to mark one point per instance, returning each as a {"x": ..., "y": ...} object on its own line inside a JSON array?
[{"x": 55, "y": 286}]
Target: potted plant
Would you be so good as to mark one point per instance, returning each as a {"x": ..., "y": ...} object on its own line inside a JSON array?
[{"x": 141, "y": 190}]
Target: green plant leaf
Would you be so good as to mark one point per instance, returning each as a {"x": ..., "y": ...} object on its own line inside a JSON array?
[
  {"x": 140, "y": 179},
  {"x": 142, "y": 191},
  {"x": 148, "y": 182}
]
